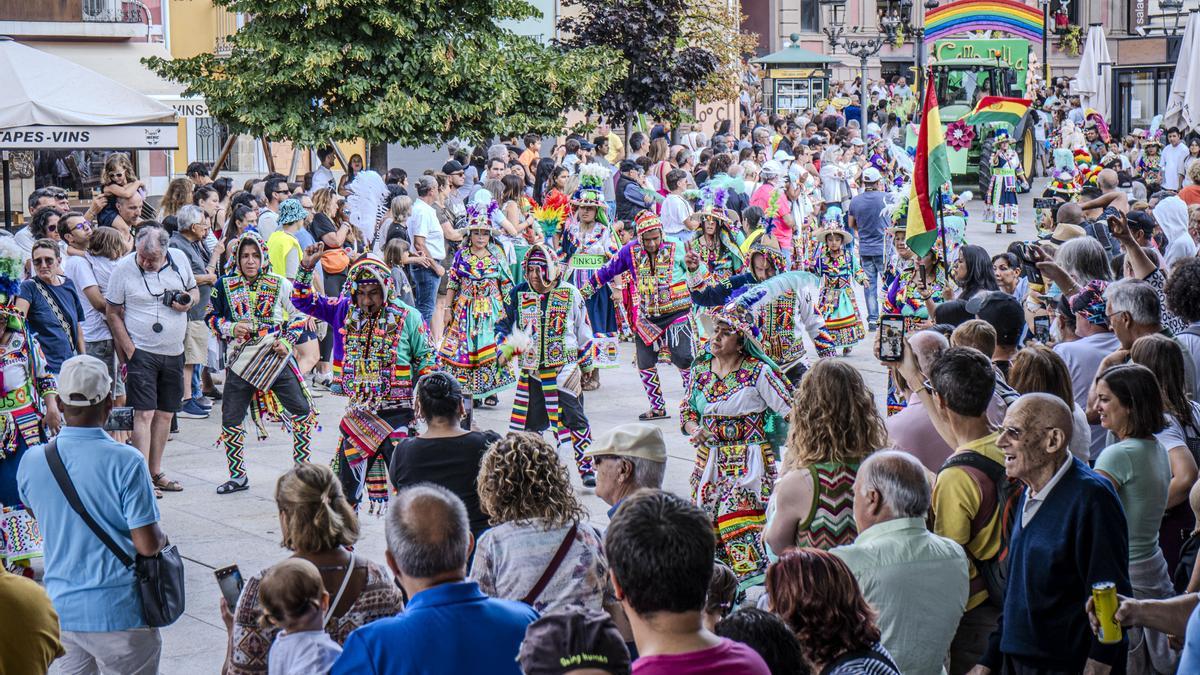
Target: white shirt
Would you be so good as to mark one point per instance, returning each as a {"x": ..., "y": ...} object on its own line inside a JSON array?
[
  {"x": 268, "y": 222},
  {"x": 140, "y": 292},
  {"x": 1192, "y": 343},
  {"x": 1083, "y": 357},
  {"x": 675, "y": 210},
  {"x": 86, "y": 272},
  {"x": 1173, "y": 157},
  {"x": 1033, "y": 500},
  {"x": 308, "y": 651},
  {"x": 424, "y": 223},
  {"x": 322, "y": 178}
]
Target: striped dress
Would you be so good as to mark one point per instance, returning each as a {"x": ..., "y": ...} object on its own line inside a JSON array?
[{"x": 830, "y": 522}]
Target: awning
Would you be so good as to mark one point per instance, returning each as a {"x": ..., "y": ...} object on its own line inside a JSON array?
[{"x": 120, "y": 61}]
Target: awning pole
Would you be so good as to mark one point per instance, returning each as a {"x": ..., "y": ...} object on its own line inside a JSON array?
[
  {"x": 295, "y": 164},
  {"x": 225, "y": 150},
  {"x": 341, "y": 158},
  {"x": 266, "y": 145},
  {"x": 7, "y": 195}
]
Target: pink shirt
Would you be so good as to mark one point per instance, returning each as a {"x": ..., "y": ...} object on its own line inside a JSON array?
[
  {"x": 911, "y": 431},
  {"x": 762, "y": 199},
  {"x": 727, "y": 657}
]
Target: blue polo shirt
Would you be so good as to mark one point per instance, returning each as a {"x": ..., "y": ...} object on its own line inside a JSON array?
[
  {"x": 91, "y": 590},
  {"x": 450, "y": 629}
]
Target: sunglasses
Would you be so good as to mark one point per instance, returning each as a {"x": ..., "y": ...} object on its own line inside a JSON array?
[
  {"x": 44, "y": 262},
  {"x": 282, "y": 192}
]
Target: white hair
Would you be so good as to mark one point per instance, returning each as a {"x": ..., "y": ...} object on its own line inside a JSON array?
[
  {"x": 900, "y": 481},
  {"x": 188, "y": 216},
  {"x": 1136, "y": 297}
]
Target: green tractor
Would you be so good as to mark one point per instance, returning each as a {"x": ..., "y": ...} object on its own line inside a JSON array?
[{"x": 961, "y": 78}]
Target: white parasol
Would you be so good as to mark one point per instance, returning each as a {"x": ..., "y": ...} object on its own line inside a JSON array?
[
  {"x": 1091, "y": 81},
  {"x": 1183, "y": 101}
]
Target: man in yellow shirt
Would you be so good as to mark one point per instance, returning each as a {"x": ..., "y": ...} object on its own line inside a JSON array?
[
  {"x": 965, "y": 497},
  {"x": 616, "y": 148}
]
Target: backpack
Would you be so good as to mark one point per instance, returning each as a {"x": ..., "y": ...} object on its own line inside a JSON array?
[
  {"x": 1187, "y": 561},
  {"x": 997, "y": 491}
]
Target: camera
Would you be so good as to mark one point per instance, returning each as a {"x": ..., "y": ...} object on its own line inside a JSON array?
[{"x": 170, "y": 297}]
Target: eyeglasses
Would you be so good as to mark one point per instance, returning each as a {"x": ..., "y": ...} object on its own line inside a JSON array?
[
  {"x": 1015, "y": 432},
  {"x": 1114, "y": 314},
  {"x": 457, "y": 173},
  {"x": 44, "y": 262},
  {"x": 282, "y": 192},
  {"x": 53, "y": 227}
]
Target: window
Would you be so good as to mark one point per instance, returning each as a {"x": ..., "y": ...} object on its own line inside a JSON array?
[
  {"x": 810, "y": 15},
  {"x": 1141, "y": 95}
]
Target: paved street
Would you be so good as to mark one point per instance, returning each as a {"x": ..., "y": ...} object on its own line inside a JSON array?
[{"x": 213, "y": 531}]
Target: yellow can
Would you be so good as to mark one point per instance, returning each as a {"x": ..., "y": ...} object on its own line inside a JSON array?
[{"x": 1104, "y": 597}]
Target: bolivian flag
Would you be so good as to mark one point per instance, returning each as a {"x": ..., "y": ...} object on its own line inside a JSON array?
[
  {"x": 992, "y": 109},
  {"x": 931, "y": 171}
]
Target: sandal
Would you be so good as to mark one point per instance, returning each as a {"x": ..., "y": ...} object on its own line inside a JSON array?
[
  {"x": 165, "y": 484},
  {"x": 231, "y": 486},
  {"x": 653, "y": 415},
  {"x": 997, "y": 229},
  {"x": 1010, "y": 231},
  {"x": 491, "y": 401}
]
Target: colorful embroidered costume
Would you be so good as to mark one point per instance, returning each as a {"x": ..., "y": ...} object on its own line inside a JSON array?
[
  {"x": 903, "y": 296},
  {"x": 720, "y": 255},
  {"x": 1007, "y": 177},
  {"x": 478, "y": 283},
  {"x": 781, "y": 304},
  {"x": 261, "y": 302},
  {"x": 555, "y": 326},
  {"x": 1150, "y": 169},
  {"x": 585, "y": 248},
  {"x": 661, "y": 323},
  {"x": 735, "y": 467},
  {"x": 25, "y": 386},
  {"x": 377, "y": 359},
  {"x": 839, "y": 271}
]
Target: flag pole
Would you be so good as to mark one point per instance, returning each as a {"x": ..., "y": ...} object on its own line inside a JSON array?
[{"x": 942, "y": 231}]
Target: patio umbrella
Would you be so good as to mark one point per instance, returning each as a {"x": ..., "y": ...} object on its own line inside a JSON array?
[
  {"x": 1183, "y": 101},
  {"x": 1091, "y": 81}
]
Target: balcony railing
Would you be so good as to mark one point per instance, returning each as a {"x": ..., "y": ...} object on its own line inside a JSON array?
[
  {"x": 115, "y": 11},
  {"x": 227, "y": 23}
]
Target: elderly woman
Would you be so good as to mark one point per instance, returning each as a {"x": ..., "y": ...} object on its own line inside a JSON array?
[
  {"x": 834, "y": 425},
  {"x": 732, "y": 409},
  {"x": 316, "y": 524},
  {"x": 1130, "y": 404},
  {"x": 535, "y": 516},
  {"x": 817, "y": 596},
  {"x": 50, "y": 304}
]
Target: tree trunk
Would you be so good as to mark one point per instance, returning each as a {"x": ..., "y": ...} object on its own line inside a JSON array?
[{"x": 377, "y": 158}]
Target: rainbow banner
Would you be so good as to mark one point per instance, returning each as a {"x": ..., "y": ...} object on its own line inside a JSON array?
[
  {"x": 990, "y": 109},
  {"x": 1007, "y": 16},
  {"x": 931, "y": 171}
]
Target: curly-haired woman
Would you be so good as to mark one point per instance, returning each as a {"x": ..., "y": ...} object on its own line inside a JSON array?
[
  {"x": 834, "y": 426},
  {"x": 817, "y": 596},
  {"x": 527, "y": 495},
  {"x": 317, "y": 525}
]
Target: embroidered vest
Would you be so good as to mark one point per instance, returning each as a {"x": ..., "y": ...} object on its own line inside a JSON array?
[
  {"x": 546, "y": 328},
  {"x": 374, "y": 371},
  {"x": 778, "y": 319},
  {"x": 254, "y": 301},
  {"x": 660, "y": 292}
]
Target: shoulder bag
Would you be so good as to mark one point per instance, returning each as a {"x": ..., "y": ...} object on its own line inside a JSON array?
[
  {"x": 555, "y": 563},
  {"x": 59, "y": 313},
  {"x": 159, "y": 578},
  {"x": 256, "y": 362}
]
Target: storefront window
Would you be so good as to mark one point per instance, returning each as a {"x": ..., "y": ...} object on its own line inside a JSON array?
[
  {"x": 1141, "y": 95},
  {"x": 72, "y": 170}
]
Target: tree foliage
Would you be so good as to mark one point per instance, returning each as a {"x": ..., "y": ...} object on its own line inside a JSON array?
[
  {"x": 659, "y": 65},
  {"x": 717, "y": 25},
  {"x": 407, "y": 71}
]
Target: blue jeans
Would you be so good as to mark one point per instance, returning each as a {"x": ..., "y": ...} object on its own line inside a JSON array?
[
  {"x": 425, "y": 287},
  {"x": 873, "y": 267}
]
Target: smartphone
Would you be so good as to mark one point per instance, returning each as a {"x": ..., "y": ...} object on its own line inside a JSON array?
[
  {"x": 891, "y": 338},
  {"x": 230, "y": 581},
  {"x": 1044, "y": 202},
  {"x": 1029, "y": 267},
  {"x": 120, "y": 419},
  {"x": 1041, "y": 329}
]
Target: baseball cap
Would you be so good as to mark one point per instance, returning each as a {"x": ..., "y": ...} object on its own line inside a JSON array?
[
  {"x": 871, "y": 175},
  {"x": 636, "y": 439},
  {"x": 453, "y": 166},
  {"x": 772, "y": 168},
  {"x": 1002, "y": 311},
  {"x": 782, "y": 156},
  {"x": 857, "y": 141},
  {"x": 1141, "y": 221},
  {"x": 566, "y": 641},
  {"x": 953, "y": 312},
  {"x": 83, "y": 381}
]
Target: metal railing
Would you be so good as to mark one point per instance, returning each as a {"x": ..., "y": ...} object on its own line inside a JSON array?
[
  {"x": 227, "y": 23},
  {"x": 115, "y": 11}
]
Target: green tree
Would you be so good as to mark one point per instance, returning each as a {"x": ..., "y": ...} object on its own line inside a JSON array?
[
  {"x": 407, "y": 71},
  {"x": 660, "y": 68}
]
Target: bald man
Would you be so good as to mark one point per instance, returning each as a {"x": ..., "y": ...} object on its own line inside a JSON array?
[{"x": 1068, "y": 533}]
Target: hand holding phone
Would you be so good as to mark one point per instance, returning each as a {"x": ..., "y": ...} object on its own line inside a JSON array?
[
  {"x": 891, "y": 338},
  {"x": 230, "y": 581}
]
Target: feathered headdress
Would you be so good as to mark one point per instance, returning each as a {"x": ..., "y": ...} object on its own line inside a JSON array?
[
  {"x": 712, "y": 203},
  {"x": 479, "y": 218},
  {"x": 591, "y": 187},
  {"x": 367, "y": 202},
  {"x": 1093, "y": 117},
  {"x": 548, "y": 218}
]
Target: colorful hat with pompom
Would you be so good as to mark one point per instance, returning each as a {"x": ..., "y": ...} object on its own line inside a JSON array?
[{"x": 645, "y": 222}]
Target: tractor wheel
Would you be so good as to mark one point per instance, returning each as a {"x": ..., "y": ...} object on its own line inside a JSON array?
[
  {"x": 1028, "y": 153},
  {"x": 986, "y": 147}
]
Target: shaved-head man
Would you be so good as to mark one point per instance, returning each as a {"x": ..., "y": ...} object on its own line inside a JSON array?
[
  {"x": 1111, "y": 196},
  {"x": 1068, "y": 533}
]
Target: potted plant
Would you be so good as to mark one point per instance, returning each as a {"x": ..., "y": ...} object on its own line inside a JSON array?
[{"x": 1071, "y": 40}]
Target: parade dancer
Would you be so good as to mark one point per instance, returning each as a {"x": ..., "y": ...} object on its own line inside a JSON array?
[
  {"x": 839, "y": 270},
  {"x": 29, "y": 413},
  {"x": 780, "y": 301},
  {"x": 589, "y": 242},
  {"x": 249, "y": 303},
  {"x": 732, "y": 413},
  {"x": 1007, "y": 178},
  {"x": 717, "y": 245},
  {"x": 546, "y": 328},
  {"x": 480, "y": 278},
  {"x": 381, "y": 347},
  {"x": 656, "y": 265}
]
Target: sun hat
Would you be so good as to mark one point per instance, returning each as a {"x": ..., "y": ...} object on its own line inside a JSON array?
[
  {"x": 638, "y": 440},
  {"x": 290, "y": 211}
]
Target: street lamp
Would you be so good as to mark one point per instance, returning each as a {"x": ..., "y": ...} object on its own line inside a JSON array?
[{"x": 864, "y": 48}]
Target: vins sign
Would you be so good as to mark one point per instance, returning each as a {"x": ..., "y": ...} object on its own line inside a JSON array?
[{"x": 125, "y": 136}]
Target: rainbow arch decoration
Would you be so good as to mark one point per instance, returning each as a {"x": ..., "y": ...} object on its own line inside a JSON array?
[{"x": 1008, "y": 16}]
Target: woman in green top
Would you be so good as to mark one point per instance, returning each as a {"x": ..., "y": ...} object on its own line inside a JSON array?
[{"x": 1130, "y": 405}]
